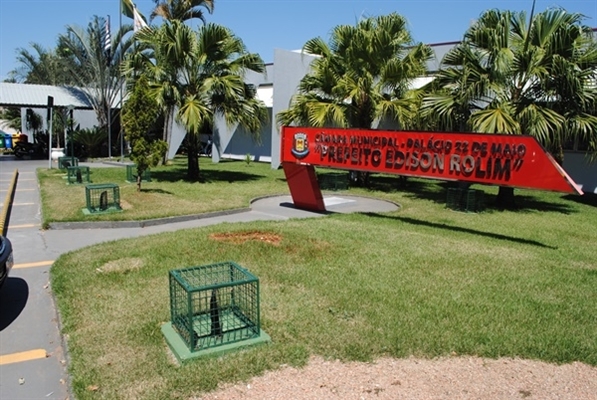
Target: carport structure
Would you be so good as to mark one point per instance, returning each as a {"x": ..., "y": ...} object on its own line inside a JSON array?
[{"x": 36, "y": 97}]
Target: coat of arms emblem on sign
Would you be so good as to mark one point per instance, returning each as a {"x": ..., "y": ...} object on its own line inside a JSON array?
[{"x": 300, "y": 145}]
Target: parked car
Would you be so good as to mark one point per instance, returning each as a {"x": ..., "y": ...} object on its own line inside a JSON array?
[{"x": 6, "y": 260}]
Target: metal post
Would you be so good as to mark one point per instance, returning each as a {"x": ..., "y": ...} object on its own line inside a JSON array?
[
  {"x": 71, "y": 141},
  {"x": 121, "y": 83},
  {"x": 49, "y": 117},
  {"x": 109, "y": 130}
]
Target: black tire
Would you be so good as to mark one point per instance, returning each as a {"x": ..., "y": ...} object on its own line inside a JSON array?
[{"x": 19, "y": 151}]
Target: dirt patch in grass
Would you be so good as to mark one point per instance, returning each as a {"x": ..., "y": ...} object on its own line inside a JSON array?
[
  {"x": 125, "y": 205},
  {"x": 122, "y": 265},
  {"x": 242, "y": 237}
]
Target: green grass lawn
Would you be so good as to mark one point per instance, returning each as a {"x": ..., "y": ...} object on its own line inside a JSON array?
[
  {"x": 226, "y": 185},
  {"x": 423, "y": 281}
]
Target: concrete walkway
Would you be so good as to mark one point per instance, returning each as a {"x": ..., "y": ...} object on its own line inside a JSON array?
[{"x": 33, "y": 363}]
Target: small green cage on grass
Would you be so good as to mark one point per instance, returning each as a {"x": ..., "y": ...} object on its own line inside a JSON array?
[
  {"x": 214, "y": 305},
  {"x": 102, "y": 198},
  {"x": 131, "y": 174},
  {"x": 65, "y": 162},
  {"x": 469, "y": 200},
  {"x": 77, "y": 175},
  {"x": 333, "y": 181}
]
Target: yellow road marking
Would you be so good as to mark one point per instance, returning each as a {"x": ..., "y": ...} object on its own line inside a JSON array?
[
  {"x": 33, "y": 264},
  {"x": 22, "y": 356},
  {"x": 23, "y": 226}
]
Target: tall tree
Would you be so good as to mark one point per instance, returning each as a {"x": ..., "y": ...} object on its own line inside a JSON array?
[
  {"x": 182, "y": 10},
  {"x": 41, "y": 67},
  {"x": 177, "y": 10},
  {"x": 139, "y": 114},
  {"x": 361, "y": 76},
  {"x": 95, "y": 62},
  {"x": 517, "y": 75},
  {"x": 202, "y": 73}
]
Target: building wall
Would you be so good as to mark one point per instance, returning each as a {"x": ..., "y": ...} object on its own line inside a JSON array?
[
  {"x": 242, "y": 144},
  {"x": 290, "y": 67},
  {"x": 581, "y": 170}
]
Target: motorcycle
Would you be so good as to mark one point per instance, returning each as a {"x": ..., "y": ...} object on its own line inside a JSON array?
[{"x": 32, "y": 150}]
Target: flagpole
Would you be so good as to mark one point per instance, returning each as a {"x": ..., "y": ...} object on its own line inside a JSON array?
[
  {"x": 109, "y": 102},
  {"x": 121, "y": 84}
]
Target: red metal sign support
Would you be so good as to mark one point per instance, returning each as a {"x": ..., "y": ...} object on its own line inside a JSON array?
[{"x": 504, "y": 160}]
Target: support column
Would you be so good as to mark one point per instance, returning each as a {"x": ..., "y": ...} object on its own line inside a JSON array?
[{"x": 304, "y": 187}]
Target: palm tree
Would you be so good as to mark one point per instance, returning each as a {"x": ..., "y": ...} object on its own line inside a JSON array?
[
  {"x": 177, "y": 10},
  {"x": 361, "y": 76},
  {"x": 202, "y": 74},
  {"x": 42, "y": 67},
  {"x": 521, "y": 78},
  {"x": 92, "y": 67},
  {"x": 181, "y": 10},
  {"x": 570, "y": 82}
]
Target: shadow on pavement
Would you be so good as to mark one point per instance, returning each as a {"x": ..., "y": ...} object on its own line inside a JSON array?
[{"x": 13, "y": 298}]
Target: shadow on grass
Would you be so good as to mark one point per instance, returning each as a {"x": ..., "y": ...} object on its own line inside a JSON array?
[
  {"x": 463, "y": 230},
  {"x": 229, "y": 176},
  {"x": 428, "y": 190},
  {"x": 172, "y": 174},
  {"x": 529, "y": 203},
  {"x": 437, "y": 192},
  {"x": 589, "y": 199},
  {"x": 205, "y": 175},
  {"x": 160, "y": 191}
]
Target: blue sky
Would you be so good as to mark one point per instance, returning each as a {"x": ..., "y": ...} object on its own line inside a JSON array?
[{"x": 263, "y": 24}]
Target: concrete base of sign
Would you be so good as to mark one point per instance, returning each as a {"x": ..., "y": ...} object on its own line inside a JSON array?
[{"x": 183, "y": 354}]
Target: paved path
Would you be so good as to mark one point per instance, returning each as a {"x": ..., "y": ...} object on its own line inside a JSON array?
[{"x": 33, "y": 364}]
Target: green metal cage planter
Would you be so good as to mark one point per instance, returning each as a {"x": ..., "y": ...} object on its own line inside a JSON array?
[
  {"x": 131, "y": 174},
  {"x": 468, "y": 200},
  {"x": 77, "y": 175},
  {"x": 214, "y": 305},
  {"x": 102, "y": 198},
  {"x": 333, "y": 181},
  {"x": 65, "y": 162}
]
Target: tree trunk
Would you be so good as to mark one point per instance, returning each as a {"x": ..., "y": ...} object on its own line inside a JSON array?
[
  {"x": 192, "y": 158},
  {"x": 359, "y": 178},
  {"x": 167, "y": 136},
  {"x": 139, "y": 179},
  {"x": 505, "y": 198}
]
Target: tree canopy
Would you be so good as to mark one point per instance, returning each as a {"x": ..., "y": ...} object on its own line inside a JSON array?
[
  {"x": 362, "y": 75},
  {"x": 517, "y": 75},
  {"x": 202, "y": 74}
]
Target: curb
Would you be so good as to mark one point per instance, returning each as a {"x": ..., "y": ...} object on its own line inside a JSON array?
[{"x": 144, "y": 223}]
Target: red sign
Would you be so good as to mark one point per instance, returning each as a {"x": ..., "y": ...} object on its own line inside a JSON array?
[{"x": 505, "y": 160}]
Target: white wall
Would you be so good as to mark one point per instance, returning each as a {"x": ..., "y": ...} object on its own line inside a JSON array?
[
  {"x": 583, "y": 172},
  {"x": 242, "y": 144}
]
